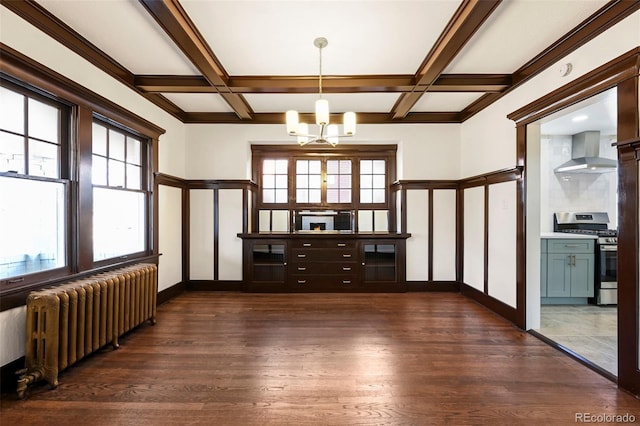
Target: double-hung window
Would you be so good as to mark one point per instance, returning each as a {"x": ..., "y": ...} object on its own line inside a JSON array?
[
  {"x": 119, "y": 192},
  {"x": 34, "y": 183}
]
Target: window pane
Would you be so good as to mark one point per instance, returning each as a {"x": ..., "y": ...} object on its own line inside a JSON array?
[
  {"x": 332, "y": 167},
  {"x": 134, "y": 177},
  {"x": 281, "y": 181},
  {"x": 365, "y": 196},
  {"x": 268, "y": 181},
  {"x": 281, "y": 195},
  {"x": 302, "y": 196},
  {"x": 302, "y": 181},
  {"x": 333, "y": 196},
  {"x": 315, "y": 181},
  {"x": 99, "y": 139},
  {"x": 345, "y": 195},
  {"x": 345, "y": 181},
  {"x": 43, "y": 159},
  {"x": 35, "y": 226},
  {"x": 302, "y": 167},
  {"x": 11, "y": 153},
  {"x": 116, "y": 145},
  {"x": 11, "y": 111},
  {"x": 345, "y": 167},
  {"x": 314, "y": 195},
  {"x": 378, "y": 167},
  {"x": 133, "y": 151},
  {"x": 116, "y": 173},
  {"x": 378, "y": 195},
  {"x": 365, "y": 167},
  {"x": 44, "y": 121},
  {"x": 366, "y": 181},
  {"x": 268, "y": 196},
  {"x": 268, "y": 166},
  {"x": 281, "y": 167},
  {"x": 314, "y": 166},
  {"x": 118, "y": 223},
  {"x": 99, "y": 170},
  {"x": 378, "y": 181}
]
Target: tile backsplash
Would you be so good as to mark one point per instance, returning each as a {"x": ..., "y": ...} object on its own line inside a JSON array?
[{"x": 575, "y": 192}]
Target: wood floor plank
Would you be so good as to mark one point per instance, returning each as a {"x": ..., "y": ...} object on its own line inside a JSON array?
[{"x": 322, "y": 359}]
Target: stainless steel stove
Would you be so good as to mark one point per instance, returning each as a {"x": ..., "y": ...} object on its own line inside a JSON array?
[{"x": 606, "y": 273}]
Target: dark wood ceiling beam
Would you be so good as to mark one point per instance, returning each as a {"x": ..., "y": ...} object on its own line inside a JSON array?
[
  {"x": 363, "y": 118},
  {"x": 176, "y": 23},
  {"x": 330, "y": 84},
  {"x": 42, "y": 19},
  {"x": 463, "y": 25},
  {"x": 603, "y": 19}
]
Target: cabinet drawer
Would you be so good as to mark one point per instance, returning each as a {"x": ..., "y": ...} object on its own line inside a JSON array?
[
  {"x": 322, "y": 282},
  {"x": 324, "y": 255},
  {"x": 317, "y": 268},
  {"x": 323, "y": 244},
  {"x": 570, "y": 246}
]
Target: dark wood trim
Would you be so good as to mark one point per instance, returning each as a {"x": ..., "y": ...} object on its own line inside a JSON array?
[
  {"x": 460, "y": 236},
  {"x": 495, "y": 305},
  {"x": 430, "y": 235},
  {"x": 467, "y": 19},
  {"x": 27, "y": 70},
  {"x": 83, "y": 241},
  {"x": 169, "y": 180},
  {"x": 186, "y": 236},
  {"x": 604, "y": 77},
  {"x": 446, "y": 286},
  {"x": 498, "y": 176},
  {"x": 279, "y": 118},
  {"x": 426, "y": 184},
  {"x": 330, "y": 83},
  {"x": 582, "y": 360},
  {"x": 211, "y": 285},
  {"x": 171, "y": 292},
  {"x": 628, "y": 236},
  {"x": 521, "y": 231},
  {"x": 216, "y": 233},
  {"x": 39, "y": 17},
  {"x": 220, "y": 184},
  {"x": 485, "y": 244},
  {"x": 603, "y": 19},
  {"x": 176, "y": 23}
]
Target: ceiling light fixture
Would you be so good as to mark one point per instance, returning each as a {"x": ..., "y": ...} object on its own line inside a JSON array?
[{"x": 328, "y": 133}]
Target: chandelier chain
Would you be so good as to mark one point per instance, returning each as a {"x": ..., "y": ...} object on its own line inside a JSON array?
[{"x": 320, "y": 74}]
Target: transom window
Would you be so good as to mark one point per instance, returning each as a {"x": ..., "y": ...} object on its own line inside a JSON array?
[
  {"x": 308, "y": 181},
  {"x": 373, "y": 182},
  {"x": 339, "y": 181},
  {"x": 275, "y": 174}
]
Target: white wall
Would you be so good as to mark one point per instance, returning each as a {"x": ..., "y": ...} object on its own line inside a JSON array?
[
  {"x": 473, "y": 262},
  {"x": 488, "y": 140},
  {"x": 444, "y": 235},
  {"x": 170, "y": 236},
  {"x": 201, "y": 248},
  {"x": 26, "y": 39},
  {"x": 417, "y": 207}
]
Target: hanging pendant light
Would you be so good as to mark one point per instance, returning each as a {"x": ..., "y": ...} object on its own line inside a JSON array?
[{"x": 328, "y": 133}]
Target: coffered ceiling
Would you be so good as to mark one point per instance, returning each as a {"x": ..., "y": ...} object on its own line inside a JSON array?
[{"x": 242, "y": 61}]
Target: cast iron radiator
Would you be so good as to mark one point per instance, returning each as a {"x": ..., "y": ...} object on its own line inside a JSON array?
[{"x": 70, "y": 321}]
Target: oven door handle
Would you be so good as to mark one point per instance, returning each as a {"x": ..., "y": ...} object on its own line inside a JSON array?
[{"x": 608, "y": 248}]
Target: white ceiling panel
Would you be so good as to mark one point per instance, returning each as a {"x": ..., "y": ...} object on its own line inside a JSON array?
[
  {"x": 358, "y": 102},
  {"x": 519, "y": 30},
  {"x": 199, "y": 102},
  {"x": 276, "y": 37},
  {"x": 445, "y": 102},
  {"x": 125, "y": 31}
]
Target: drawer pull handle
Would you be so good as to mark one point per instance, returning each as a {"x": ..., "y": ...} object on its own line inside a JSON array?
[
  {"x": 306, "y": 245},
  {"x": 302, "y": 281},
  {"x": 346, "y": 268},
  {"x": 300, "y": 268},
  {"x": 346, "y": 255},
  {"x": 342, "y": 245},
  {"x": 346, "y": 281},
  {"x": 302, "y": 255},
  {"x": 572, "y": 245}
]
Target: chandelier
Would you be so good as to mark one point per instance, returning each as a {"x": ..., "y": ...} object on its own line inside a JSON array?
[{"x": 328, "y": 133}]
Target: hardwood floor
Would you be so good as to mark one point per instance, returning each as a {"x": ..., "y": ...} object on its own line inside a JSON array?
[{"x": 329, "y": 359}]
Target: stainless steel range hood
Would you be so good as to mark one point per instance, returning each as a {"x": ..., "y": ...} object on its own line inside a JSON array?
[{"x": 585, "y": 156}]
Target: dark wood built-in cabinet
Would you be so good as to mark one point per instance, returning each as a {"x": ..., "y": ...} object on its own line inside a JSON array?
[{"x": 324, "y": 262}]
